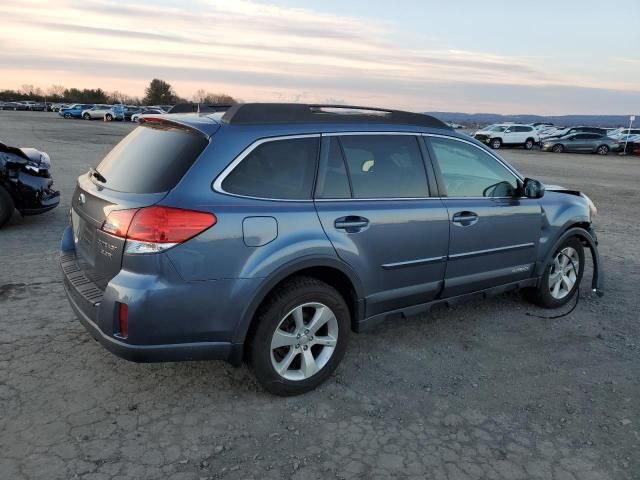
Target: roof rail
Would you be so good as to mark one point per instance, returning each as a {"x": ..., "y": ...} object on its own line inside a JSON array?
[{"x": 278, "y": 113}]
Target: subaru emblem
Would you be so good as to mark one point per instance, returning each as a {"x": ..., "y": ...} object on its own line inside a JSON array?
[{"x": 82, "y": 199}]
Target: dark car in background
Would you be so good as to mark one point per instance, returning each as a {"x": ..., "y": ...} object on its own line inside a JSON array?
[
  {"x": 25, "y": 182},
  {"x": 581, "y": 143},
  {"x": 16, "y": 106},
  {"x": 269, "y": 232},
  {"x": 131, "y": 110}
]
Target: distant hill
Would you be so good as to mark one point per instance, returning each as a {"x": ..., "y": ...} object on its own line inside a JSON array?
[{"x": 475, "y": 119}]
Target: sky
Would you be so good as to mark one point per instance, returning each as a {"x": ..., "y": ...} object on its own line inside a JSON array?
[{"x": 514, "y": 57}]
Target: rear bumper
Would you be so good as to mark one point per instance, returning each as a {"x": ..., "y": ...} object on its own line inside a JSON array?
[
  {"x": 157, "y": 353},
  {"x": 169, "y": 320}
]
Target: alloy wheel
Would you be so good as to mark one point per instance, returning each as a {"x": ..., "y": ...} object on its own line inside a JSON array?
[
  {"x": 304, "y": 341},
  {"x": 564, "y": 273},
  {"x": 603, "y": 150}
]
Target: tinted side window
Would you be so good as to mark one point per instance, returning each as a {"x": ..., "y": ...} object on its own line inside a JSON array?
[
  {"x": 151, "y": 159},
  {"x": 280, "y": 169},
  {"x": 385, "y": 166},
  {"x": 333, "y": 181},
  {"x": 468, "y": 171}
]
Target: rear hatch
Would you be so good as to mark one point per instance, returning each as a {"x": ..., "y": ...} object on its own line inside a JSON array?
[{"x": 138, "y": 172}]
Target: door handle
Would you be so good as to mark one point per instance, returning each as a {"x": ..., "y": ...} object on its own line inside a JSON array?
[
  {"x": 464, "y": 219},
  {"x": 351, "y": 223}
]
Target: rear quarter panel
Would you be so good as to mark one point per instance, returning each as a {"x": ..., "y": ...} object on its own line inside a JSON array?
[{"x": 221, "y": 251}]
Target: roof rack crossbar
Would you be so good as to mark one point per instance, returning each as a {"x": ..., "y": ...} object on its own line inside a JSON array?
[{"x": 278, "y": 113}]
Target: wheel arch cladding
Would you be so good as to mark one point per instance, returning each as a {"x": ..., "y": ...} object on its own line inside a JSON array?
[
  {"x": 331, "y": 271},
  {"x": 587, "y": 238}
]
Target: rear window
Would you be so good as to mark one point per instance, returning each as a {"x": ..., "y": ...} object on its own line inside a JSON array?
[
  {"x": 276, "y": 169},
  {"x": 151, "y": 159}
]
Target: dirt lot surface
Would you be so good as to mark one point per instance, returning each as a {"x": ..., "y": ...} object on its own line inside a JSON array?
[{"x": 479, "y": 391}]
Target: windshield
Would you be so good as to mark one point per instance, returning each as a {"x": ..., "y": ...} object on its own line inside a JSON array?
[{"x": 497, "y": 128}]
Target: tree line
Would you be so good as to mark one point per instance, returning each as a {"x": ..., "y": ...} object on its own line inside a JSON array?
[{"x": 158, "y": 92}]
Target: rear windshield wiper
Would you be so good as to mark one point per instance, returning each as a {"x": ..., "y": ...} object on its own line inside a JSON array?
[{"x": 97, "y": 175}]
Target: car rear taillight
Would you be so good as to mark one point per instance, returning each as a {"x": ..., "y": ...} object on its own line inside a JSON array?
[
  {"x": 154, "y": 229},
  {"x": 118, "y": 221}
]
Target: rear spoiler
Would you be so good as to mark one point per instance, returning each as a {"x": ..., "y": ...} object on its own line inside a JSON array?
[
  {"x": 201, "y": 125},
  {"x": 189, "y": 107}
]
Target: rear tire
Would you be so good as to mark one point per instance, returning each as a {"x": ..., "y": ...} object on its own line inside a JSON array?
[
  {"x": 311, "y": 321},
  {"x": 528, "y": 145},
  {"x": 557, "y": 149},
  {"x": 496, "y": 143},
  {"x": 560, "y": 281},
  {"x": 6, "y": 206},
  {"x": 108, "y": 117},
  {"x": 602, "y": 150}
]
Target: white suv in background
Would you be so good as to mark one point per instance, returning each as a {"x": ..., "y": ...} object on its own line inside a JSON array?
[{"x": 508, "y": 134}]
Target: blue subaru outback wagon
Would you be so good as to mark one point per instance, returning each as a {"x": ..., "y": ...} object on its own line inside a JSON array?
[{"x": 268, "y": 232}]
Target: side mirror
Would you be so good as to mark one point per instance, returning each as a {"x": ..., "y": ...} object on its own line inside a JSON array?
[
  {"x": 507, "y": 131},
  {"x": 532, "y": 188}
]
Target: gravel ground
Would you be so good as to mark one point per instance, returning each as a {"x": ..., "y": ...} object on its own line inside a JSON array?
[{"x": 482, "y": 390}]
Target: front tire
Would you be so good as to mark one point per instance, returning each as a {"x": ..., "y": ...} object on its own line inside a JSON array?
[
  {"x": 528, "y": 145},
  {"x": 561, "y": 278},
  {"x": 557, "y": 149},
  {"x": 496, "y": 143},
  {"x": 108, "y": 117},
  {"x": 6, "y": 206},
  {"x": 602, "y": 150},
  {"x": 67, "y": 116},
  {"x": 86, "y": 116},
  {"x": 300, "y": 336}
]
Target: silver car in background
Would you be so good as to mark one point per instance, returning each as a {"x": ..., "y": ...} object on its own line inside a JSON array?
[
  {"x": 155, "y": 111},
  {"x": 97, "y": 112},
  {"x": 581, "y": 143}
]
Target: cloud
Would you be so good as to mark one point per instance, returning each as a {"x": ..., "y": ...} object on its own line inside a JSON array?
[{"x": 267, "y": 52}]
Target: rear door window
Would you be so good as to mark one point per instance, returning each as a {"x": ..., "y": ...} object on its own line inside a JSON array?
[
  {"x": 277, "y": 169},
  {"x": 384, "y": 166},
  {"x": 151, "y": 159}
]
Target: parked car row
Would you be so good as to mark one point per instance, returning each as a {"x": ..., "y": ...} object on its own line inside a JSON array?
[
  {"x": 24, "y": 105},
  {"x": 556, "y": 139},
  {"x": 107, "y": 112}
]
